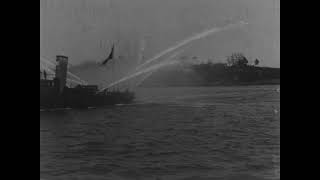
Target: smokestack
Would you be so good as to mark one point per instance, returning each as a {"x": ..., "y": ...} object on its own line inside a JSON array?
[{"x": 61, "y": 72}]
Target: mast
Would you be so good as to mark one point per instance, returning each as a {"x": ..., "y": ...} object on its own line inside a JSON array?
[
  {"x": 116, "y": 31},
  {"x": 113, "y": 69}
]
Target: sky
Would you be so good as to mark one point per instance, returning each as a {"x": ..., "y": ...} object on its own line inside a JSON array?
[{"x": 84, "y": 30}]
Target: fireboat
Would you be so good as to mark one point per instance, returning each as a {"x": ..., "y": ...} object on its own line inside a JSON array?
[{"x": 55, "y": 93}]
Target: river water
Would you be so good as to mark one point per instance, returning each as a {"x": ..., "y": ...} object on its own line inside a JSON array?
[{"x": 202, "y": 133}]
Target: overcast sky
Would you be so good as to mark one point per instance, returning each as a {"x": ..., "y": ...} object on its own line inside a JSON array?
[{"x": 85, "y": 29}]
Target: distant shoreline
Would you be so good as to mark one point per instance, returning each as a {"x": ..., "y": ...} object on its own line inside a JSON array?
[
  {"x": 211, "y": 75},
  {"x": 258, "y": 83}
]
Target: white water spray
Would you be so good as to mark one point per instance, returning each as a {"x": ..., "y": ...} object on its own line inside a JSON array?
[
  {"x": 44, "y": 67},
  {"x": 150, "y": 73},
  {"x": 190, "y": 40},
  {"x": 78, "y": 78},
  {"x": 74, "y": 81},
  {"x": 47, "y": 62},
  {"x": 51, "y": 64},
  {"x": 142, "y": 68},
  {"x": 147, "y": 70}
]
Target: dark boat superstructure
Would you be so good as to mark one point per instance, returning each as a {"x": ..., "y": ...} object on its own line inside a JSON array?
[{"x": 55, "y": 93}]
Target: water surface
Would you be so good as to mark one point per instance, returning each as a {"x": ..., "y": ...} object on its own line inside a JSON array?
[{"x": 169, "y": 133}]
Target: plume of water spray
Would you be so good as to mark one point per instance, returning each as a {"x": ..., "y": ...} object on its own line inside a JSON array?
[
  {"x": 145, "y": 78},
  {"x": 147, "y": 70},
  {"x": 142, "y": 68},
  {"x": 74, "y": 81},
  {"x": 167, "y": 60},
  {"x": 49, "y": 63},
  {"x": 46, "y": 68},
  {"x": 190, "y": 40},
  {"x": 78, "y": 78}
]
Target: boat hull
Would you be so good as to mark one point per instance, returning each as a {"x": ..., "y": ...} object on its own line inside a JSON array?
[{"x": 71, "y": 98}]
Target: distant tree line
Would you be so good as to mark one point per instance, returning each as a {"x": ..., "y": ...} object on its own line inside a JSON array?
[{"x": 236, "y": 69}]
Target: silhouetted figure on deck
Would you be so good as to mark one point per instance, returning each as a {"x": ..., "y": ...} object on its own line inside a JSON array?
[{"x": 45, "y": 75}]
